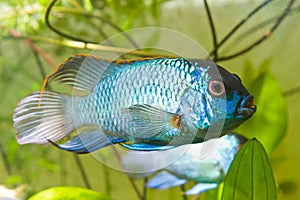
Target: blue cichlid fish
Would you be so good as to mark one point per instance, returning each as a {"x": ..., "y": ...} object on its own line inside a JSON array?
[
  {"x": 146, "y": 104},
  {"x": 208, "y": 172}
]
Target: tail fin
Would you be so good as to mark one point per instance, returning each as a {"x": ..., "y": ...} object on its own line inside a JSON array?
[{"x": 38, "y": 121}]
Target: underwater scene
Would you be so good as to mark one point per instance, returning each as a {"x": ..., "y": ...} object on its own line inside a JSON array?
[{"x": 149, "y": 99}]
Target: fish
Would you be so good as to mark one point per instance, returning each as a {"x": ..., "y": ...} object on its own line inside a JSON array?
[
  {"x": 143, "y": 104},
  {"x": 207, "y": 171}
]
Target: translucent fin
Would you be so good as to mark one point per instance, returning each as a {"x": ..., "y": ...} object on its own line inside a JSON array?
[
  {"x": 164, "y": 180},
  {"x": 49, "y": 120},
  {"x": 82, "y": 72},
  {"x": 201, "y": 187},
  {"x": 88, "y": 141},
  {"x": 146, "y": 147},
  {"x": 149, "y": 121}
]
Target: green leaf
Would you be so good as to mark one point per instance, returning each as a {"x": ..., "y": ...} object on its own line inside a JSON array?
[
  {"x": 269, "y": 123},
  {"x": 250, "y": 175},
  {"x": 68, "y": 193},
  {"x": 265, "y": 66},
  {"x": 214, "y": 194}
]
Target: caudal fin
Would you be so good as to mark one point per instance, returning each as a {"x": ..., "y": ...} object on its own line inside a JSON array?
[{"x": 38, "y": 121}]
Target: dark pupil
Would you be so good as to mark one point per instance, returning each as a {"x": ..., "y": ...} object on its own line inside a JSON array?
[{"x": 217, "y": 88}]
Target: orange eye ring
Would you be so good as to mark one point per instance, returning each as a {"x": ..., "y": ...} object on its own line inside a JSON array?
[{"x": 216, "y": 88}]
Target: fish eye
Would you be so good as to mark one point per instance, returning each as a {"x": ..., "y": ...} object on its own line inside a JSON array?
[{"x": 216, "y": 87}]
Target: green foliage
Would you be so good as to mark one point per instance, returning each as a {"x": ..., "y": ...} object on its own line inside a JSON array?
[
  {"x": 269, "y": 122},
  {"x": 14, "y": 180},
  {"x": 27, "y": 17},
  {"x": 24, "y": 16},
  {"x": 68, "y": 193},
  {"x": 250, "y": 175},
  {"x": 130, "y": 11}
]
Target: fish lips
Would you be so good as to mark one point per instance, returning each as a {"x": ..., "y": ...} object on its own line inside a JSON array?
[{"x": 246, "y": 107}]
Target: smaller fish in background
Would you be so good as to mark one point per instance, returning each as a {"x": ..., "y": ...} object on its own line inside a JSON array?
[
  {"x": 144, "y": 105},
  {"x": 208, "y": 172}
]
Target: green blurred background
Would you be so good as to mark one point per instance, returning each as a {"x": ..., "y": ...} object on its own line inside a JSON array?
[{"x": 40, "y": 167}]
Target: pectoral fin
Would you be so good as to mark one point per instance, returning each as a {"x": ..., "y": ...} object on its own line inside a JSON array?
[
  {"x": 164, "y": 180},
  {"x": 150, "y": 121}
]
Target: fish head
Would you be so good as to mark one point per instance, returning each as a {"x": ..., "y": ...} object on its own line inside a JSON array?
[
  {"x": 229, "y": 92},
  {"x": 220, "y": 102}
]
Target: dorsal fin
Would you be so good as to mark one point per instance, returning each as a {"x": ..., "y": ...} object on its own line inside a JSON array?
[
  {"x": 128, "y": 61},
  {"x": 82, "y": 72}
]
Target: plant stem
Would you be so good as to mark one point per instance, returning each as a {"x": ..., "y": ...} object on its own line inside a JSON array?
[
  {"x": 5, "y": 161},
  {"x": 144, "y": 197},
  {"x": 40, "y": 65},
  {"x": 212, "y": 29},
  {"x": 291, "y": 92},
  {"x": 93, "y": 46},
  {"x": 30, "y": 43},
  {"x": 182, "y": 188},
  {"x": 106, "y": 180},
  {"x": 82, "y": 171},
  {"x": 264, "y": 37},
  {"x": 81, "y": 11},
  {"x": 129, "y": 178},
  {"x": 239, "y": 25}
]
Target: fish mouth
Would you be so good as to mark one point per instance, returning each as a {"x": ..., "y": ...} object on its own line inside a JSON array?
[{"x": 247, "y": 106}]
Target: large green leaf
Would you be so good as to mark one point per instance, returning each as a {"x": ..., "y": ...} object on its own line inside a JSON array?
[
  {"x": 68, "y": 193},
  {"x": 250, "y": 175},
  {"x": 269, "y": 122}
]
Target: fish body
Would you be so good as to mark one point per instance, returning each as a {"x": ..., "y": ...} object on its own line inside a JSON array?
[
  {"x": 148, "y": 104},
  {"x": 207, "y": 171}
]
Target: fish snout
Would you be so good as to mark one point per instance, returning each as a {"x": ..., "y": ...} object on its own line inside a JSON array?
[{"x": 247, "y": 106}]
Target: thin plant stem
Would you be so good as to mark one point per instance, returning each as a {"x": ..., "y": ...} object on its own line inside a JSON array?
[
  {"x": 212, "y": 29},
  {"x": 40, "y": 64},
  {"x": 82, "y": 171},
  {"x": 63, "y": 171},
  {"x": 129, "y": 178},
  {"x": 291, "y": 92},
  {"x": 239, "y": 25},
  {"x": 145, "y": 189},
  {"x": 31, "y": 44},
  {"x": 47, "y": 21},
  {"x": 81, "y": 45},
  {"x": 106, "y": 180},
  {"x": 5, "y": 161},
  {"x": 267, "y": 22},
  {"x": 82, "y": 12},
  {"x": 264, "y": 37},
  {"x": 182, "y": 188}
]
